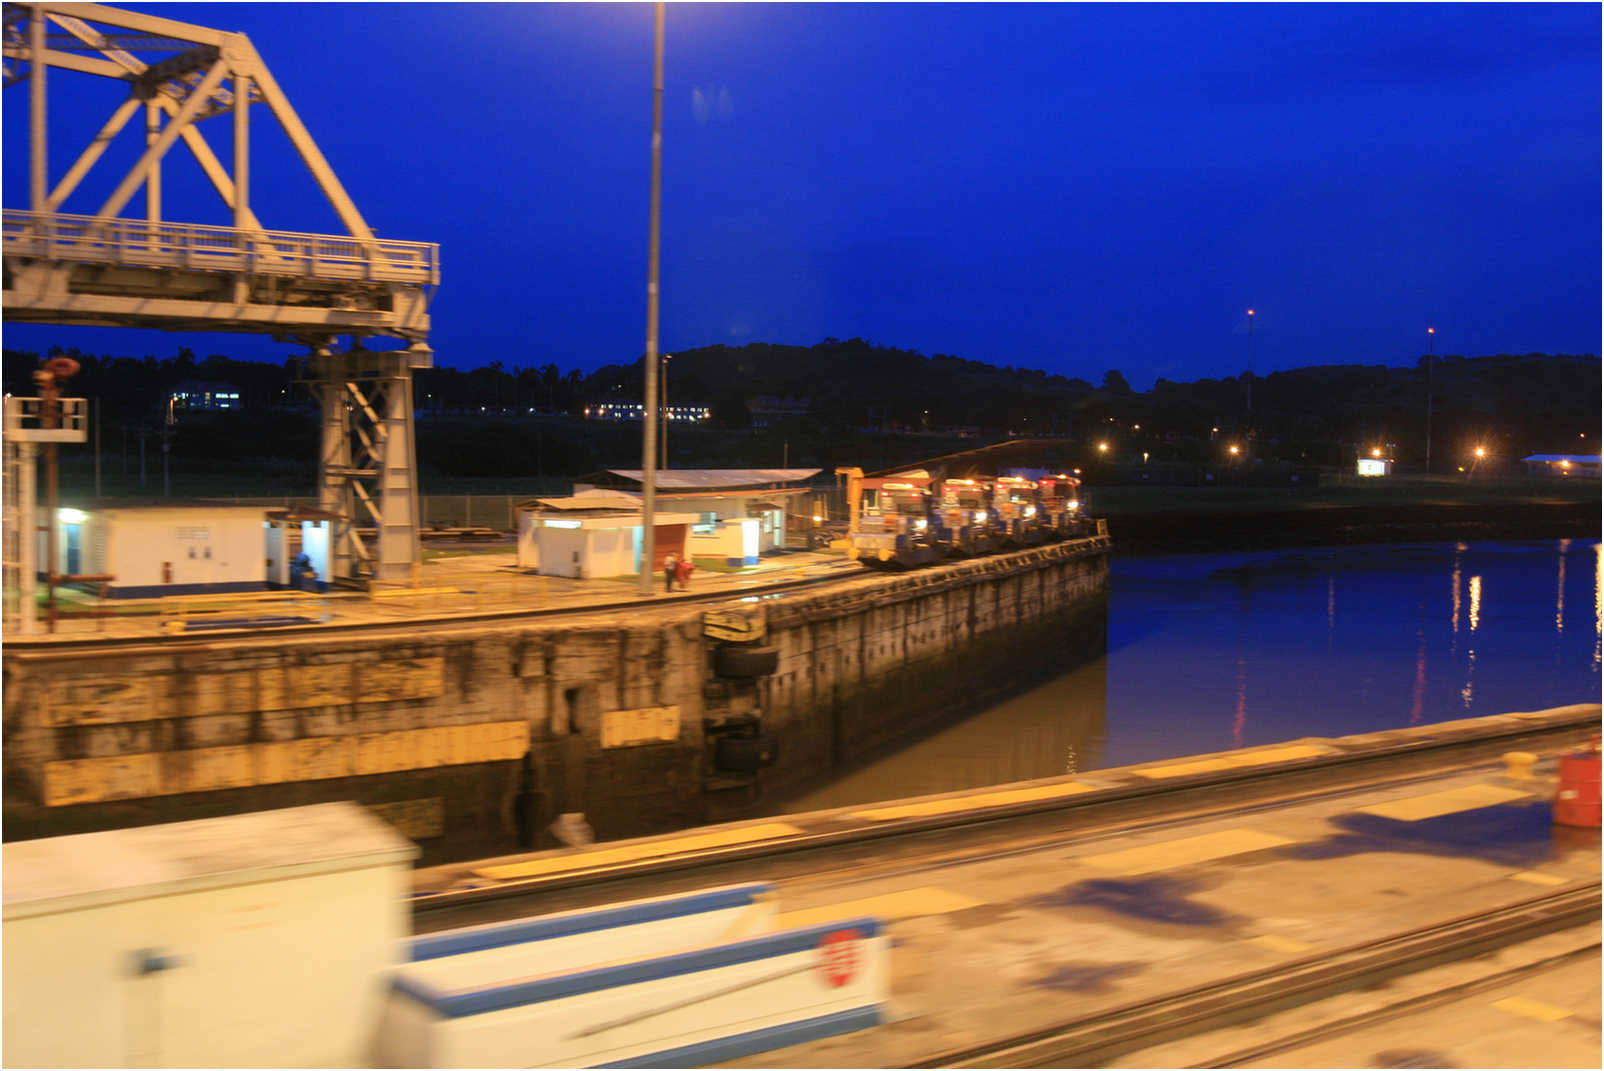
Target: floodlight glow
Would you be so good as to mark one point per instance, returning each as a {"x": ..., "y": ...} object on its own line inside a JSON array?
[{"x": 72, "y": 516}]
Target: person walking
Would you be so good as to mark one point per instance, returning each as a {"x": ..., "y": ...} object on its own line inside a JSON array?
[{"x": 670, "y": 570}]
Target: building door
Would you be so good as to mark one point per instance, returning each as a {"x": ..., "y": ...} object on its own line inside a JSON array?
[{"x": 74, "y": 548}]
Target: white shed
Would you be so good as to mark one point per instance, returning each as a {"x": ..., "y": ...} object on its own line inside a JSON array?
[
  {"x": 164, "y": 547},
  {"x": 255, "y": 940},
  {"x": 592, "y": 535}
]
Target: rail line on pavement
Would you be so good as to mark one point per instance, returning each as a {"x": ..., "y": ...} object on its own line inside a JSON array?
[
  {"x": 1091, "y": 1040},
  {"x": 1142, "y": 804}
]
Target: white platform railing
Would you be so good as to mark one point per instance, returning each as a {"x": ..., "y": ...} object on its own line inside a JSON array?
[{"x": 197, "y": 247}]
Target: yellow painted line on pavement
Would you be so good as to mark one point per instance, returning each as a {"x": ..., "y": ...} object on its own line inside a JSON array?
[
  {"x": 1532, "y": 1009},
  {"x": 966, "y": 803},
  {"x": 1235, "y": 760},
  {"x": 1534, "y": 877},
  {"x": 925, "y": 900},
  {"x": 1276, "y": 943},
  {"x": 1452, "y": 801},
  {"x": 1173, "y": 853},
  {"x": 629, "y": 853}
]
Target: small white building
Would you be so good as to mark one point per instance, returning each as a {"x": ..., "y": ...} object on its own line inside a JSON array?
[
  {"x": 255, "y": 940},
  {"x": 593, "y": 535},
  {"x": 740, "y": 513},
  {"x": 164, "y": 547}
]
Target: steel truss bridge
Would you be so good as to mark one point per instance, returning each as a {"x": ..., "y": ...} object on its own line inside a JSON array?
[{"x": 328, "y": 293}]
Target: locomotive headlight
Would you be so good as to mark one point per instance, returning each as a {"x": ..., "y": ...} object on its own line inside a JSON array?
[
  {"x": 1073, "y": 504},
  {"x": 921, "y": 524},
  {"x": 980, "y": 516},
  {"x": 1030, "y": 511}
]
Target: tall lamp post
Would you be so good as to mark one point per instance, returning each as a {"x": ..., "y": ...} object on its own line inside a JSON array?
[
  {"x": 648, "y": 569},
  {"x": 667, "y": 419},
  {"x": 1250, "y": 368},
  {"x": 1431, "y": 352}
]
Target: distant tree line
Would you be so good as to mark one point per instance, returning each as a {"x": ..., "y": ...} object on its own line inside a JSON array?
[{"x": 487, "y": 420}]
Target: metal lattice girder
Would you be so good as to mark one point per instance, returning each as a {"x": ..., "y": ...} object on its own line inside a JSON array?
[
  {"x": 367, "y": 470},
  {"x": 161, "y": 275}
]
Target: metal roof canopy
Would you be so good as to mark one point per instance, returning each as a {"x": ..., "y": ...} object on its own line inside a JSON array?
[
  {"x": 705, "y": 479},
  {"x": 987, "y": 460}
]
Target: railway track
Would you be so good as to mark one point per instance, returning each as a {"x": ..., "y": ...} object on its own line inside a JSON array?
[
  {"x": 994, "y": 830},
  {"x": 1091, "y": 1040}
]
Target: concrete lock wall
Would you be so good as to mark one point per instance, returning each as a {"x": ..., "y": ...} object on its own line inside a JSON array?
[{"x": 471, "y": 739}]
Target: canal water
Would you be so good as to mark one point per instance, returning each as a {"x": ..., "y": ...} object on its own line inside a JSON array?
[{"x": 1209, "y": 652}]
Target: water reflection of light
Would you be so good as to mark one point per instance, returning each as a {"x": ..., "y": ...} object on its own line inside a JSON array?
[
  {"x": 1559, "y": 602},
  {"x": 1468, "y": 692},
  {"x": 1475, "y": 602},
  {"x": 1241, "y": 721},
  {"x": 1598, "y": 602},
  {"x": 1417, "y": 694},
  {"x": 1454, "y": 580},
  {"x": 1331, "y": 605}
]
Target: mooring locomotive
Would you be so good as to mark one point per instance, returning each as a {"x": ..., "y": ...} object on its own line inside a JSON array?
[{"x": 912, "y": 518}]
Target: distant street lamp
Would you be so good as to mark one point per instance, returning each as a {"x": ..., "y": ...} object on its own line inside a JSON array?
[
  {"x": 1375, "y": 451},
  {"x": 1235, "y": 450},
  {"x": 1102, "y": 448}
]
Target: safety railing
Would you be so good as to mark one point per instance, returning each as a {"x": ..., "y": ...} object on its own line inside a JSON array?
[{"x": 197, "y": 247}]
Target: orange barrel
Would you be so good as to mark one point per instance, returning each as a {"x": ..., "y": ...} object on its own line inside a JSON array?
[{"x": 1576, "y": 803}]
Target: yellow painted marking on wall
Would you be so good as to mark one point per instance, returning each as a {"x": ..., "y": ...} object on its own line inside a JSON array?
[
  {"x": 622, "y": 728},
  {"x": 1452, "y": 801},
  {"x": 1277, "y": 943},
  {"x": 169, "y": 773},
  {"x": 629, "y": 853},
  {"x": 1534, "y": 877},
  {"x": 966, "y": 803},
  {"x": 207, "y": 769},
  {"x": 1235, "y": 760},
  {"x": 1532, "y": 1009},
  {"x": 119, "y": 777},
  {"x": 314, "y": 686},
  {"x": 1173, "y": 853},
  {"x": 925, "y": 900},
  {"x": 222, "y": 693},
  {"x": 105, "y": 700},
  {"x": 407, "y": 678}
]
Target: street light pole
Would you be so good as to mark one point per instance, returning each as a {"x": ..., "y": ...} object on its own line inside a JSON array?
[
  {"x": 648, "y": 568},
  {"x": 667, "y": 419},
  {"x": 1250, "y": 368},
  {"x": 1431, "y": 352}
]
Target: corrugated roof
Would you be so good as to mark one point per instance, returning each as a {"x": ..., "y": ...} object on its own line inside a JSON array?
[
  {"x": 717, "y": 479},
  {"x": 592, "y": 500}
]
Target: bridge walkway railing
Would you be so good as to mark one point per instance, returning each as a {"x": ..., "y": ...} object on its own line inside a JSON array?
[{"x": 199, "y": 247}]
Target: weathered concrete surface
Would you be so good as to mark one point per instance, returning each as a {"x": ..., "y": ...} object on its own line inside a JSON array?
[{"x": 471, "y": 738}]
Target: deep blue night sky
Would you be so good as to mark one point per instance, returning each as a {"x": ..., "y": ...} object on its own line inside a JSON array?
[{"x": 1070, "y": 187}]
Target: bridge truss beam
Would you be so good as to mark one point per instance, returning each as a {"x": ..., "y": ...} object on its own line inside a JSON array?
[{"x": 96, "y": 268}]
